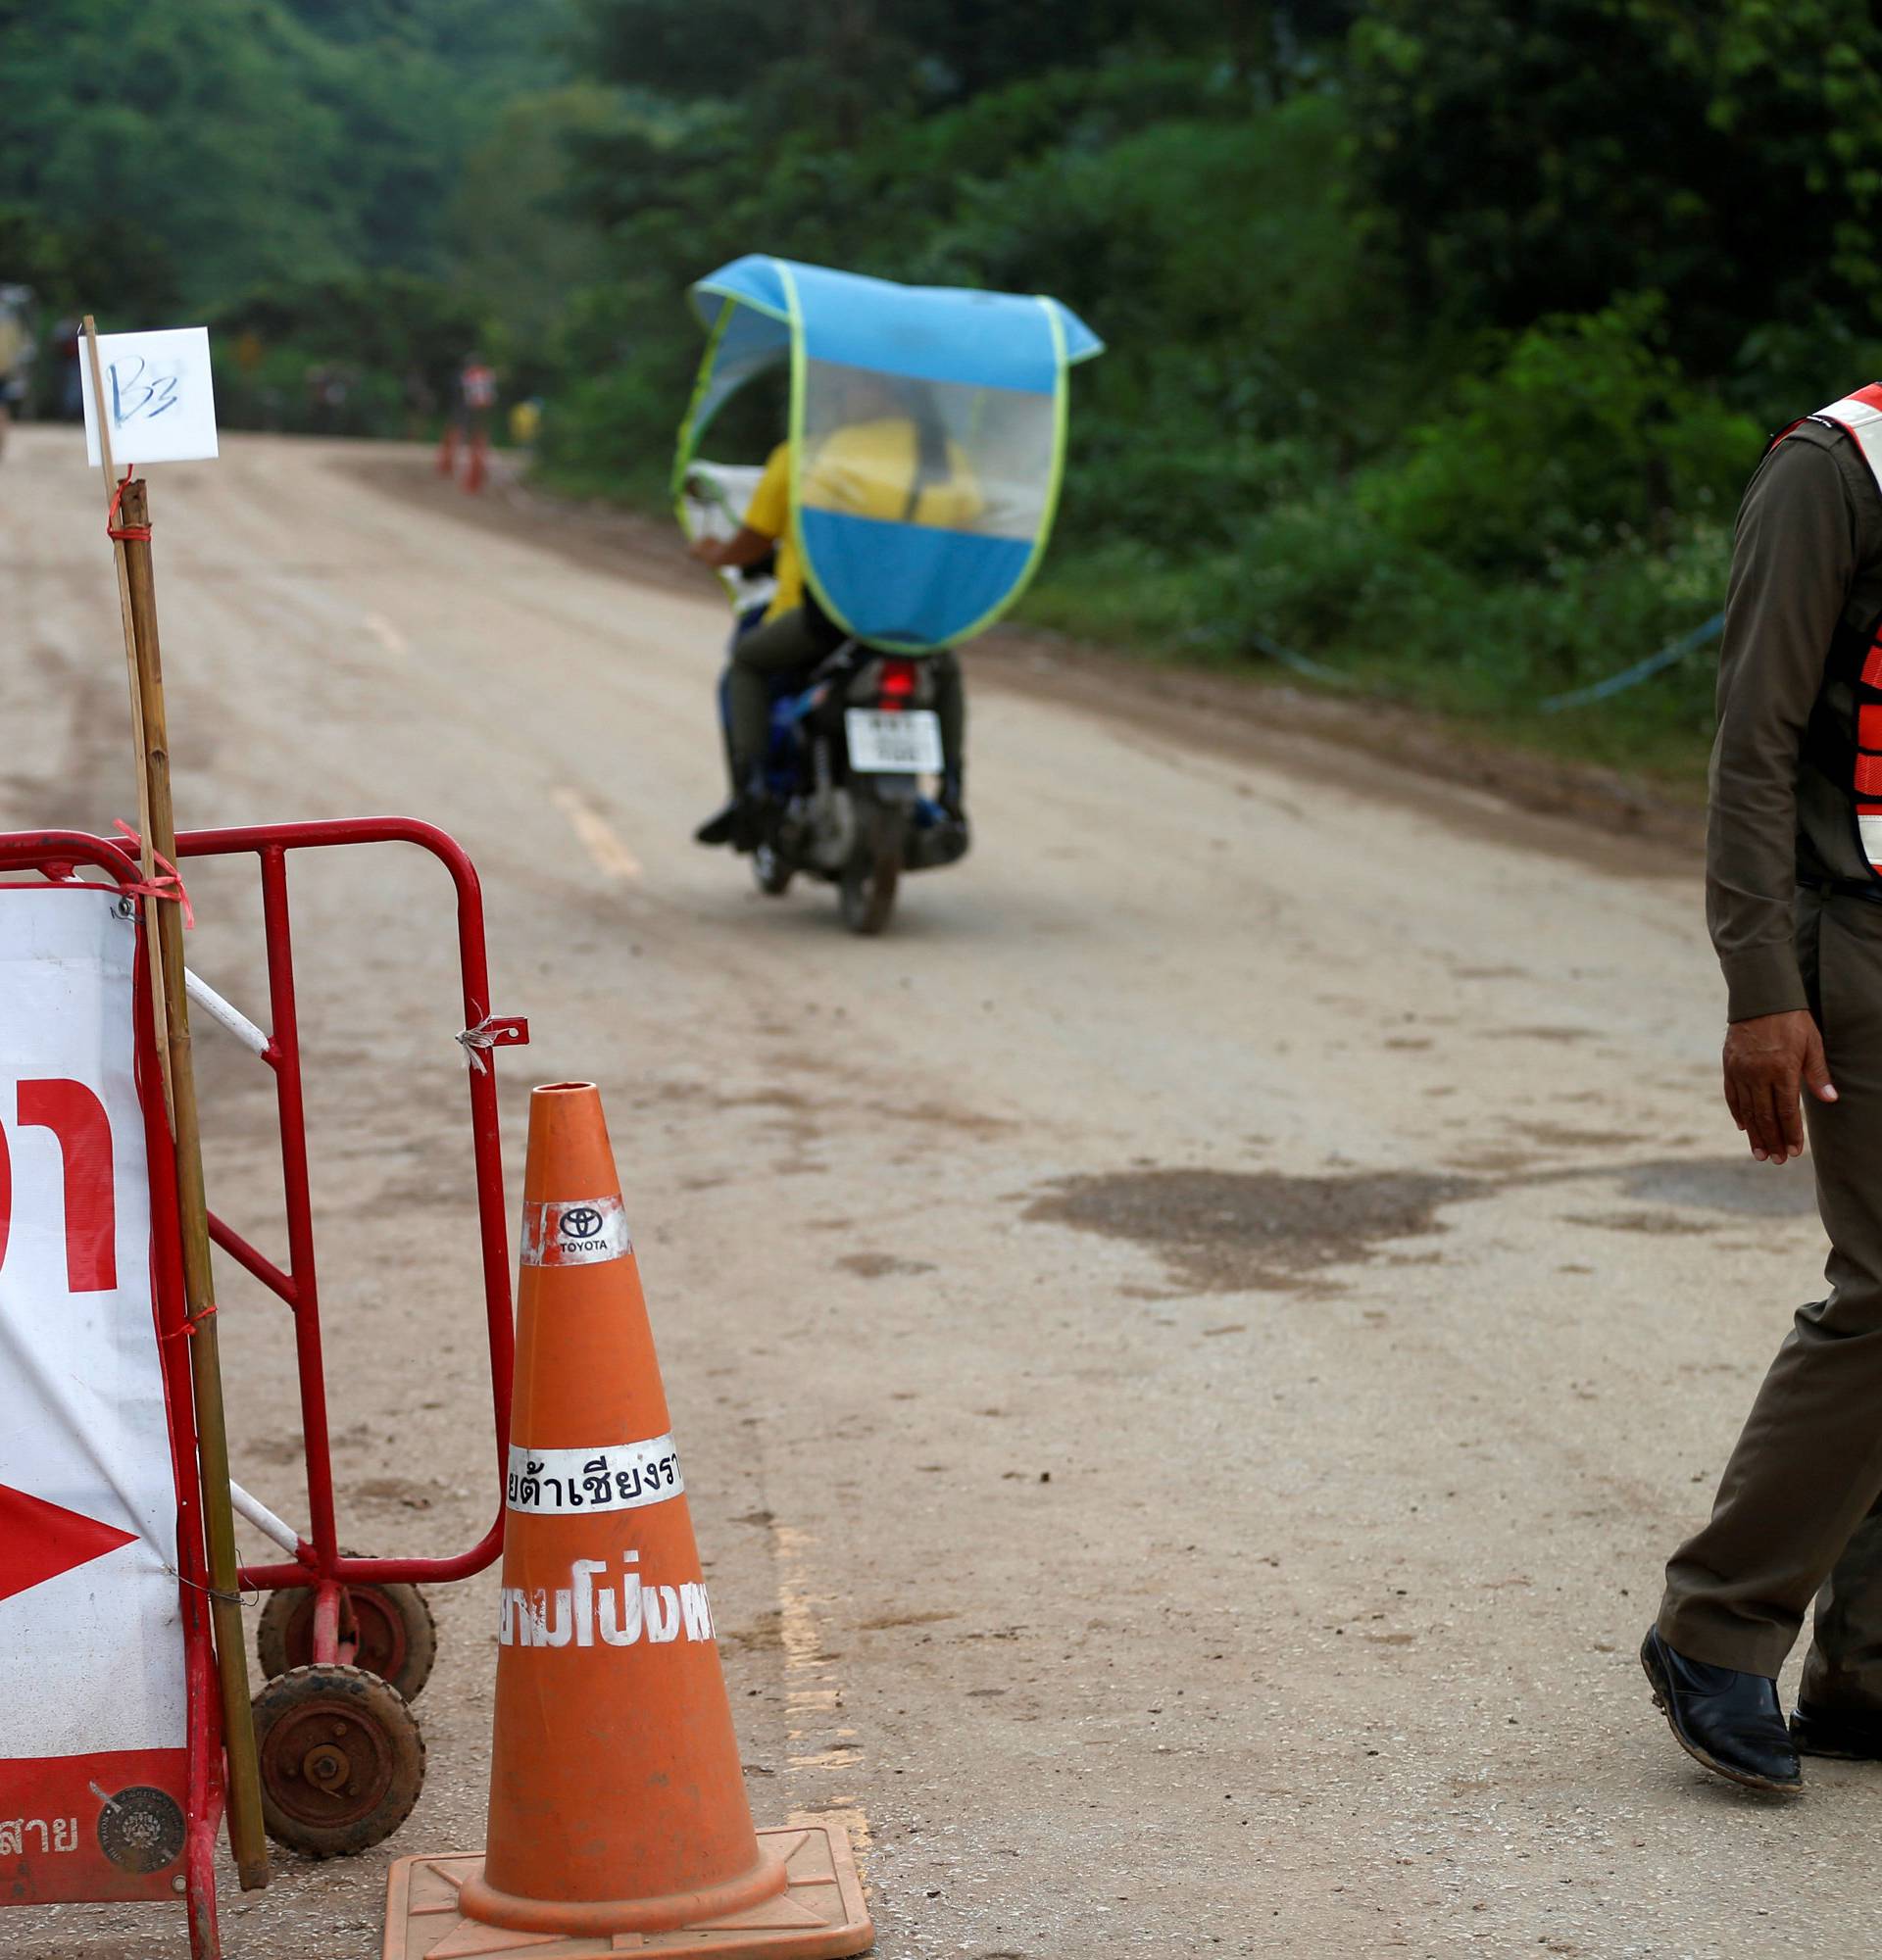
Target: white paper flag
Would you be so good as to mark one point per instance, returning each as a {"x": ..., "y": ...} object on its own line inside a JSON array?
[{"x": 159, "y": 404}]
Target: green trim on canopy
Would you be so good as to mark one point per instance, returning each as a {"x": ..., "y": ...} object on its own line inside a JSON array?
[
  {"x": 1061, "y": 422},
  {"x": 953, "y": 354}
]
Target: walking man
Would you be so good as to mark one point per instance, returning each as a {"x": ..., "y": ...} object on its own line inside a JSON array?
[{"x": 1794, "y": 898}]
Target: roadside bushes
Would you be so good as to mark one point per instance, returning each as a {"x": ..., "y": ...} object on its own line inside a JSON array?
[
  {"x": 1279, "y": 444},
  {"x": 368, "y": 354},
  {"x": 1583, "y": 439},
  {"x": 611, "y": 436},
  {"x": 1567, "y": 510}
]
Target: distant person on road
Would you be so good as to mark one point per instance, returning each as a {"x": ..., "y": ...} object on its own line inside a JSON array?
[
  {"x": 477, "y": 396},
  {"x": 16, "y": 354},
  {"x": 1794, "y": 898},
  {"x": 891, "y": 459},
  {"x": 525, "y": 422}
]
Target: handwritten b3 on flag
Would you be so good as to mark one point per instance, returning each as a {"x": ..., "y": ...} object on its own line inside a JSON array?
[{"x": 160, "y": 405}]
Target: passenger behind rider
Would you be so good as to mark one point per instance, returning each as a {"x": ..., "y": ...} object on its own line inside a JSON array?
[{"x": 891, "y": 459}]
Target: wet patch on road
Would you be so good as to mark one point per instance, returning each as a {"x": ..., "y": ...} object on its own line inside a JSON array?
[
  {"x": 1657, "y": 1224},
  {"x": 882, "y": 1265},
  {"x": 1263, "y": 1231},
  {"x": 397, "y": 1492},
  {"x": 1242, "y": 1231},
  {"x": 1493, "y": 1161},
  {"x": 1567, "y": 1136},
  {"x": 1491, "y": 972},
  {"x": 1736, "y": 1185}
]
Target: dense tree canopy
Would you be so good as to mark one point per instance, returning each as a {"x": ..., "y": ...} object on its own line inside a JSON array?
[
  {"x": 1440, "y": 338},
  {"x": 252, "y": 142},
  {"x": 1540, "y": 159}
]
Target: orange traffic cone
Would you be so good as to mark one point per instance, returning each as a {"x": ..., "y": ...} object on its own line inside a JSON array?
[
  {"x": 474, "y": 467},
  {"x": 448, "y": 451},
  {"x": 617, "y": 1812}
]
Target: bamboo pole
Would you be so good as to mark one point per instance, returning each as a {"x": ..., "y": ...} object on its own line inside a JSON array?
[
  {"x": 147, "y": 864},
  {"x": 245, "y": 1830}
]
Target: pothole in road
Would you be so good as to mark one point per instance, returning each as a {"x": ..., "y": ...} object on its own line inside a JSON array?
[{"x": 1238, "y": 1231}]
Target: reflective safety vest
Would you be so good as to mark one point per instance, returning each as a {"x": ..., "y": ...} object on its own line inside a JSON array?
[{"x": 1857, "y": 658}]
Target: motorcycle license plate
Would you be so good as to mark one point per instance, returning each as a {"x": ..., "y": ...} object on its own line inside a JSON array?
[{"x": 908, "y": 743}]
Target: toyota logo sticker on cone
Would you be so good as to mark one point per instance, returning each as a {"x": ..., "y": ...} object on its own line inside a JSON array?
[{"x": 574, "y": 1232}]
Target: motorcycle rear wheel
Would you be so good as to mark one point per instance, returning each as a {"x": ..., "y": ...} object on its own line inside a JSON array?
[
  {"x": 772, "y": 871},
  {"x": 870, "y": 879}
]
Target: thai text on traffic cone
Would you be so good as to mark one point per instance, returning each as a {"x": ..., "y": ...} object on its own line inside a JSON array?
[{"x": 616, "y": 1800}]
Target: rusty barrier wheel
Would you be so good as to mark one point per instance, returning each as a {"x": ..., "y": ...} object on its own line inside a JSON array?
[
  {"x": 342, "y": 1759},
  {"x": 398, "y": 1638}
]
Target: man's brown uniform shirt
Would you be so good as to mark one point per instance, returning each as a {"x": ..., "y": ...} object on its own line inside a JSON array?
[{"x": 1808, "y": 559}]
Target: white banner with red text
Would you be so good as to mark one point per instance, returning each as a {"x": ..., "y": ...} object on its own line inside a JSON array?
[{"x": 93, "y": 1697}]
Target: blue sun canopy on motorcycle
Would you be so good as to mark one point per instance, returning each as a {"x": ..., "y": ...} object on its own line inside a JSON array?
[{"x": 928, "y": 430}]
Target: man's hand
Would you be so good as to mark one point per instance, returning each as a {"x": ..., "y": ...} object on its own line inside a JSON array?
[
  {"x": 1765, "y": 1061},
  {"x": 744, "y": 547}
]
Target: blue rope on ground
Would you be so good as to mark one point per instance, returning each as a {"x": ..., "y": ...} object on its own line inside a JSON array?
[
  {"x": 1252, "y": 636},
  {"x": 1300, "y": 663},
  {"x": 1582, "y": 697},
  {"x": 1642, "y": 670}
]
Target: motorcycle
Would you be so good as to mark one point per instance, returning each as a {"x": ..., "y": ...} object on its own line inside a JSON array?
[
  {"x": 850, "y": 744},
  {"x": 927, "y": 430}
]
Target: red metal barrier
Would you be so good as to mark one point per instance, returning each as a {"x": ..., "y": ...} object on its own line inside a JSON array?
[{"x": 318, "y": 1561}]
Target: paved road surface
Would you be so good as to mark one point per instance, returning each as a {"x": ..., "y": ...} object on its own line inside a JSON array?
[{"x": 1189, "y": 1351}]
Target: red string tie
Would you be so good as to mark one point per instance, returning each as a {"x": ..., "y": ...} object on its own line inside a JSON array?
[
  {"x": 187, "y": 1331},
  {"x": 167, "y": 883},
  {"x": 133, "y": 534}
]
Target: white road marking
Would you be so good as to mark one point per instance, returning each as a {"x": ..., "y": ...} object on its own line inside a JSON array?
[
  {"x": 812, "y": 1691},
  {"x": 612, "y": 859},
  {"x": 387, "y": 634}
]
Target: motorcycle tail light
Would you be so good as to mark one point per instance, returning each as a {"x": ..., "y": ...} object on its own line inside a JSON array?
[{"x": 899, "y": 682}]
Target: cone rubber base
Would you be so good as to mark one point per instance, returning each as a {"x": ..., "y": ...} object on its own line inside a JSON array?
[{"x": 819, "y": 1916}]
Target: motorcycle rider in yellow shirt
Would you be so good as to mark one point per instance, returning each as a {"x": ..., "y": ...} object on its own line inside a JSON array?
[{"x": 887, "y": 463}]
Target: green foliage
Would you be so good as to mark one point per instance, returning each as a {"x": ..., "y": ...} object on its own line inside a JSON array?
[
  {"x": 518, "y": 247},
  {"x": 583, "y": 447},
  {"x": 366, "y": 353},
  {"x": 1430, "y": 355},
  {"x": 1585, "y": 439},
  {"x": 252, "y": 142},
  {"x": 1219, "y": 257},
  {"x": 1542, "y": 159},
  {"x": 1440, "y": 339},
  {"x": 132, "y": 275},
  {"x": 833, "y": 68}
]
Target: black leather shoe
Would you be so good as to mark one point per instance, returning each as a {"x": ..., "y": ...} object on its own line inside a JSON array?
[
  {"x": 1729, "y": 1721},
  {"x": 738, "y": 824},
  {"x": 746, "y": 822},
  {"x": 1853, "y": 1733},
  {"x": 723, "y": 825}
]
